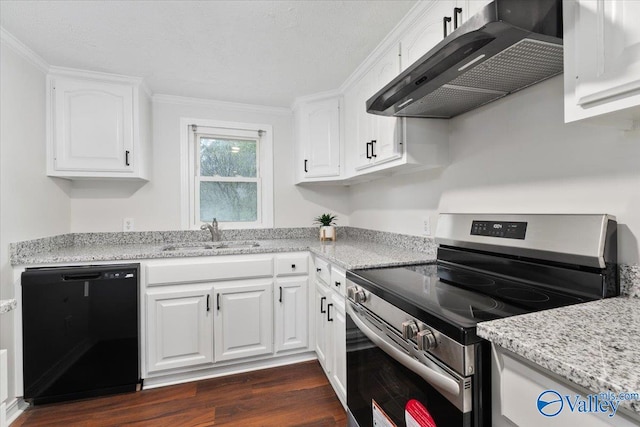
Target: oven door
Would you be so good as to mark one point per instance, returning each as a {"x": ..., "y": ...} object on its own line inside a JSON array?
[{"x": 390, "y": 383}]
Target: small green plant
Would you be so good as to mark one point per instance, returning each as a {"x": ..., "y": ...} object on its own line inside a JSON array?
[{"x": 325, "y": 220}]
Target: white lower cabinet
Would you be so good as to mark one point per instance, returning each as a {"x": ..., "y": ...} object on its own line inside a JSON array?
[
  {"x": 330, "y": 326},
  {"x": 179, "y": 327},
  {"x": 243, "y": 324},
  {"x": 291, "y": 314},
  {"x": 320, "y": 315},
  {"x": 517, "y": 385},
  {"x": 337, "y": 336},
  {"x": 205, "y": 315}
]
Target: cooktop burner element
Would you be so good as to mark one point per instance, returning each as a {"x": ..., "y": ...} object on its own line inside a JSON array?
[{"x": 524, "y": 295}]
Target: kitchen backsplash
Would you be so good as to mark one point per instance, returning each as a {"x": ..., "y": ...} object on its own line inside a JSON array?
[{"x": 630, "y": 280}]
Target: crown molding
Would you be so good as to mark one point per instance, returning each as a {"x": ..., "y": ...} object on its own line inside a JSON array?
[
  {"x": 248, "y": 108},
  {"x": 23, "y": 50},
  {"x": 334, "y": 93}
]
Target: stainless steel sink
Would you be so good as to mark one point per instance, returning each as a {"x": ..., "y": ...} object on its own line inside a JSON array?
[
  {"x": 198, "y": 246},
  {"x": 188, "y": 246},
  {"x": 237, "y": 245}
]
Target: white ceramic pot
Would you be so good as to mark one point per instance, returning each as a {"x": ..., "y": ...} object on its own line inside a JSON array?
[{"x": 327, "y": 232}]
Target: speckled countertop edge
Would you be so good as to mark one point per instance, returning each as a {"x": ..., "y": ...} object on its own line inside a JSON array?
[
  {"x": 7, "y": 305},
  {"x": 594, "y": 345}
]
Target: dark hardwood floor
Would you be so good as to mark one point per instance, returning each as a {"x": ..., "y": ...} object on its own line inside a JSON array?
[{"x": 294, "y": 395}]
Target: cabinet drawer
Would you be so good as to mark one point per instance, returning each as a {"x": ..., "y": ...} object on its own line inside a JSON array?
[
  {"x": 338, "y": 280},
  {"x": 209, "y": 269},
  {"x": 292, "y": 264},
  {"x": 323, "y": 270}
]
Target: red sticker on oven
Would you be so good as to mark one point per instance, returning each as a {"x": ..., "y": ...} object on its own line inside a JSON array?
[{"x": 416, "y": 415}]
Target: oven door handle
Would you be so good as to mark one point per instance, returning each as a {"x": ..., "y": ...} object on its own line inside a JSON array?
[{"x": 433, "y": 377}]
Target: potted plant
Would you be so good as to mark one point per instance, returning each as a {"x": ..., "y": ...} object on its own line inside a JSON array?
[{"x": 327, "y": 228}]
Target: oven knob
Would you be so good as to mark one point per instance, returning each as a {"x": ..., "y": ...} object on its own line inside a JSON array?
[
  {"x": 409, "y": 330},
  {"x": 356, "y": 294},
  {"x": 426, "y": 340},
  {"x": 359, "y": 296}
]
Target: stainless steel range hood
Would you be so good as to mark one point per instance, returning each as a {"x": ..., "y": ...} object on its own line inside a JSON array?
[{"x": 507, "y": 46}]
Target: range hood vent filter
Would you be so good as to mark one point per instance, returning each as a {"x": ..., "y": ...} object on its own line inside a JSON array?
[{"x": 523, "y": 64}]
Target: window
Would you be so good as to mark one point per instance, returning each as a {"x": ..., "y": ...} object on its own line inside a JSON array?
[{"x": 228, "y": 170}]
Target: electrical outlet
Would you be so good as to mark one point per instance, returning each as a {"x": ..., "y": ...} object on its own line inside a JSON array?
[
  {"x": 426, "y": 226},
  {"x": 127, "y": 224}
]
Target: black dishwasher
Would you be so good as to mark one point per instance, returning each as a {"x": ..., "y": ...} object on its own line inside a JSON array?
[{"x": 80, "y": 331}]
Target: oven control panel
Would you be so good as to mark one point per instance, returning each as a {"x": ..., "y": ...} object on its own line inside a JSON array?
[{"x": 504, "y": 229}]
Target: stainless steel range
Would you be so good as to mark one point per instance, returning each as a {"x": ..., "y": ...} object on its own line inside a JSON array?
[{"x": 413, "y": 356}]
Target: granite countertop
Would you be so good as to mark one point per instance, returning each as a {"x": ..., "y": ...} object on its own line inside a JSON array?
[
  {"x": 347, "y": 253},
  {"x": 594, "y": 345},
  {"x": 6, "y": 305}
]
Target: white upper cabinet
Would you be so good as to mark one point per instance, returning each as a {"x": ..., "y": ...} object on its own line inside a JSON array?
[
  {"x": 429, "y": 28},
  {"x": 98, "y": 127},
  {"x": 318, "y": 135},
  {"x": 602, "y": 60},
  {"x": 377, "y": 138}
]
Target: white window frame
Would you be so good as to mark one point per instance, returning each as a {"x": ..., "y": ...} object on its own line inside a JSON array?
[{"x": 190, "y": 205}]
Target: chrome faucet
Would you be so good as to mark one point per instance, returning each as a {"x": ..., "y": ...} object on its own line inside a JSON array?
[{"x": 213, "y": 229}]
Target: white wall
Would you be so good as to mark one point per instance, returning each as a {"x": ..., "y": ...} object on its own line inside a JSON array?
[
  {"x": 156, "y": 205},
  {"x": 31, "y": 205},
  {"x": 516, "y": 155}
]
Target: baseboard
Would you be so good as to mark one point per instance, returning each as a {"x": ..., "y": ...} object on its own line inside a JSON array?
[
  {"x": 15, "y": 408},
  {"x": 215, "y": 372}
]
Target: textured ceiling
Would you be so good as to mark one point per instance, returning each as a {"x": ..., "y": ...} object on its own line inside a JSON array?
[{"x": 257, "y": 52}]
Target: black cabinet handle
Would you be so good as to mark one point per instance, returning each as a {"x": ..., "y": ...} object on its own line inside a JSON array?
[
  {"x": 318, "y": 269},
  {"x": 329, "y": 318},
  {"x": 373, "y": 154},
  {"x": 337, "y": 283},
  {"x": 218, "y": 302},
  {"x": 369, "y": 144},
  {"x": 322, "y": 310},
  {"x": 444, "y": 24},
  {"x": 456, "y": 11},
  {"x": 305, "y": 165},
  {"x": 280, "y": 299},
  {"x": 126, "y": 158},
  {"x": 293, "y": 266},
  {"x": 208, "y": 301}
]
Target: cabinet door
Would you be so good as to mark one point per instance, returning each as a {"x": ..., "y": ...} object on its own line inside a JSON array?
[
  {"x": 320, "y": 313},
  {"x": 179, "y": 328},
  {"x": 607, "y": 50},
  {"x": 320, "y": 133},
  {"x": 337, "y": 321},
  {"x": 243, "y": 324},
  {"x": 290, "y": 299},
  {"x": 425, "y": 34},
  {"x": 387, "y": 131},
  {"x": 93, "y": 126},
  {"x": 470, "y": 8},
  {"x": 363, "y": 122}
]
